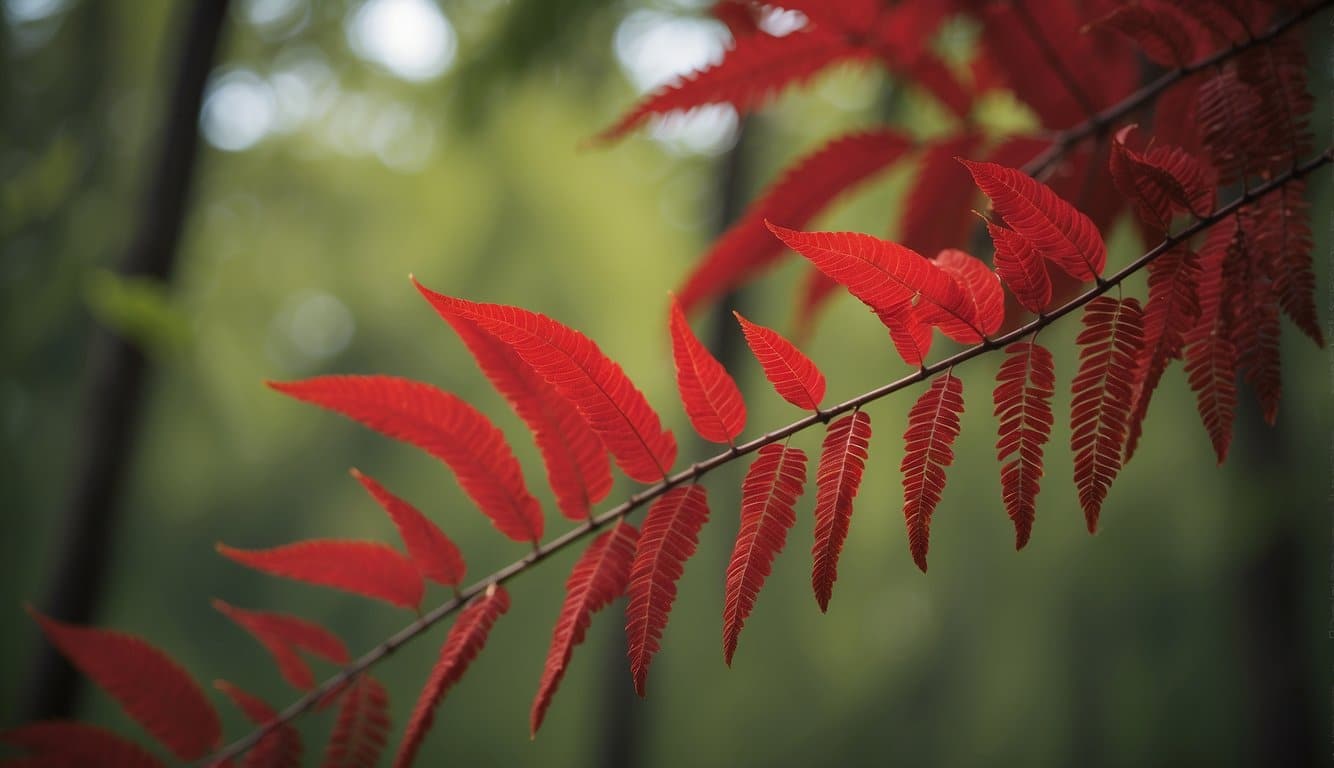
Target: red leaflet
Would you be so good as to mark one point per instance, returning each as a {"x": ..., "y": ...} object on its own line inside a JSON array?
[
  {"x": 436, "y": 557},
  {"x": 1156, "y": 29},
  {"x": 1101, "y": 395},
  {"x": 1171, "y": 313},
  {"x": 793, "y": 374},
  {"x": 754, "y": 69},
  {"x": 149, "y": 685},
  {"x": 54, "y": 744},
  {"x": 466, "y": 639},
  {"x": 1057, "y": 231},
  {"x": 282, "y": 635},
  {"x": 1161, "y": 181},
  {"x": 444, "y": 426},
  {"x": 979, "y": 284},
  {"x": 600, "y": 576},
  {"x": 842, "y": 460},
  {"x": 366, "y": 568},
  {"x": 886, "y": 276},
  {"x": 1290, "y": 221},
  {"x": 1211, "y": 358},
  {"x": 804, "y": 189},
  {"x": 570, "y": 361},
  {"x": 711, "y": 398},
  {"x": 362, "y": 728},
  {"x": 1226, "y": 112},
  {"x": 1020, "y": 268},
  {"x": 575, "y": 459},
  {"x": 911, "y": 337},
  {"x": 667, "y": 539},
  {"x": 938, "y": 213},
  {"x": 933, "y": 423},
  {"x": 768, "y": 495},
  {"x": 279, "y": 748},
  {"x": 1024, "y": 387}
]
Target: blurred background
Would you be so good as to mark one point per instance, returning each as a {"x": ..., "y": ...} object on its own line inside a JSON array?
[{"x": 344, "y": 144}]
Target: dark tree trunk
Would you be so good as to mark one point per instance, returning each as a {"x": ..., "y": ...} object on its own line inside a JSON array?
[{"x": 118, "y": 373}]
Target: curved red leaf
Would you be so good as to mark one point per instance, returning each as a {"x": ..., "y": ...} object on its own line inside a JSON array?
[
  {"x": 576, "y": 461},
  {"x": 711, "y": 398},
  {"x": 444, "y": 426},
  {"x": 667, "y": 539},
  {"x": 768, "y": 495},
  {"x": 362, "y": 728},
  {"x": 804, "y": 189},
  {"x": 839, "y": 476},
  {"x": 366, "y": 568},
  {"x": 933, "y": 423},
  {"x": 793, "y": 374},
  {"x": 582, "y": 374},
  {"x": 280, "y": 747},
  {"x": 55, "y": 744},
  {"x": 1020, "y": 268},
  {"x": 1025, "y": 384},
  {"x": 1055, "y": 229},
  {"x": 1160, "y": 181},
  {"x": 282, "y": 635},
  {"x": 466, "y": 639},
  {"x": 600, "y": 576},
  {"x": 151, "y": 687},
  {"x": 886, "y": 276},
  {"x": 1101, "y": 395},
  {"x": 754, "y": 69},
  {"x": 979, "y": 284},
  {"x": 437, "y": 557}
]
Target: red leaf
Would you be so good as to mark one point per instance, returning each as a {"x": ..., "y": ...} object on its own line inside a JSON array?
[
  {"x": 582, "y": 374},
  {"x": 436, "y": 557},
  {"x": 59, "y": 744},
  {"x": 711, "y": 398},
  {"x": 938, "y": 212},
  {"x": 600, "y": 576},
  {"x": 793, "y": 374},
  {"x": 886, "y": 276},
  {"x": 366, "y": 568},
  {"x": 979, "y": 284},
  {"x": 1020, "y": 267},
  {"x": 1171, "y": 313},
  {"x": 282, "y": 635},
  {"x": 754, "y": 69},
  {"x": 1296, "y": 279},
  {"x": 668, "y": 538},
  {"x": 151, "y": 687},
  {"x": 362, "y": 728},
  {"x": 805, "y": 189},
  {"x": 842, "y": 460},
  {"x": 466, "y": 639},
  {"x": 1211, "y": 358},
  {"x": 1024, "y": 387},
  {"x": 1161, "y": 181},
  {"x": 1101, "y": 395},
  {"x": 1156, "y": 28},
  {"x": 933, "y": 423},
  {"x": 768, "y": 495},
  {"x": 575, "y": 459},
  {"x": 1052, "y": 226},
  {"x": 279, "y": 748},
  {"x": 444, "y": 426}
]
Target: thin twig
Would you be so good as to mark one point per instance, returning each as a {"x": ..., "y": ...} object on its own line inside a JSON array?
[{"x": 697, "y": 470}]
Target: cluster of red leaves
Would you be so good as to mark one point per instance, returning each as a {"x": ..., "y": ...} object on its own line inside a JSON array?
[{"x": 1214, "y": 304}]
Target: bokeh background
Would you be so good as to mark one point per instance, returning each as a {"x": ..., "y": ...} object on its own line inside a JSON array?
[{"x": 348, "y": 143}]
